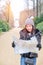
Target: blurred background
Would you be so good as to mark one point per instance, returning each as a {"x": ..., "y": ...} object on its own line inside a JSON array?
[{"x": 13, "y": 14}]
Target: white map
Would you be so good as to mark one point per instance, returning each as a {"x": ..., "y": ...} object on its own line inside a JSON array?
[{"x": 25, "y": 46}]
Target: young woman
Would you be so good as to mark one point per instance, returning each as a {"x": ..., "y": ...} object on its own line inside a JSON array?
[{"x": 26, "y": 34}]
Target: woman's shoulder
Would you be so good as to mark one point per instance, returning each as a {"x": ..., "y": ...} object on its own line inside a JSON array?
[
  {"x": 23, "y": 30},
  {"x": 37, "y": 31}
]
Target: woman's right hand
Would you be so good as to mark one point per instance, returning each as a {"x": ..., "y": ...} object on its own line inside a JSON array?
[{"x": 13, "y": 45}]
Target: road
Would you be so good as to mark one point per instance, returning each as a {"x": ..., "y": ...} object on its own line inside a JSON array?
[{"x": 7, "y": 54}]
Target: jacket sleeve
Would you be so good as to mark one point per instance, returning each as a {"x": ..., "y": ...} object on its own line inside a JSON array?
[{"x": 38, "y": 36}]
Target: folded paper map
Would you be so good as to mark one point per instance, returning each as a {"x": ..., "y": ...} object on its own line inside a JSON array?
[{"x": 25, "y": 46}]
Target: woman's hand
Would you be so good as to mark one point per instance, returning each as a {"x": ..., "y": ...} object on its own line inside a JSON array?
[
  {"x": 13, "y": 45},
  {"x": 39, "y": 46}
]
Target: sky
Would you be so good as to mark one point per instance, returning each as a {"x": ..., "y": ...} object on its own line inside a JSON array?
[{"x": 21, "y": 3}]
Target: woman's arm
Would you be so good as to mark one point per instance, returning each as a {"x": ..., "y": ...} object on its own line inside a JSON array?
[{"x": 38, "y": 36}]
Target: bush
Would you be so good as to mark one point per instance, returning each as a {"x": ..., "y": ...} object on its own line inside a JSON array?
[
  {"x": 39, "y": 19},
  {"x": 0, "y": 29},
  {"x": 40, "y": 26},
  {"x": 36, "y": 20},
  {"x": 4, "y": 26}
]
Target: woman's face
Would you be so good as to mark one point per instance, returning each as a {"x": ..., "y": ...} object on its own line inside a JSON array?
[{"x": 29, "y": 27}]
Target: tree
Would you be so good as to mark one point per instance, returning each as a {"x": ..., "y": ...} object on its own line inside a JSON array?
[
  {"x": 39, "y": 7},
  {"x": 5, "y": 10},
  {"x": 33, "y": 5},
  {"x": 36, "y": 7}
]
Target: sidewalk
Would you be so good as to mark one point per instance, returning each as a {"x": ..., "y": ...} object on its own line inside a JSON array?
[{"x": 7, "y": 55}]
